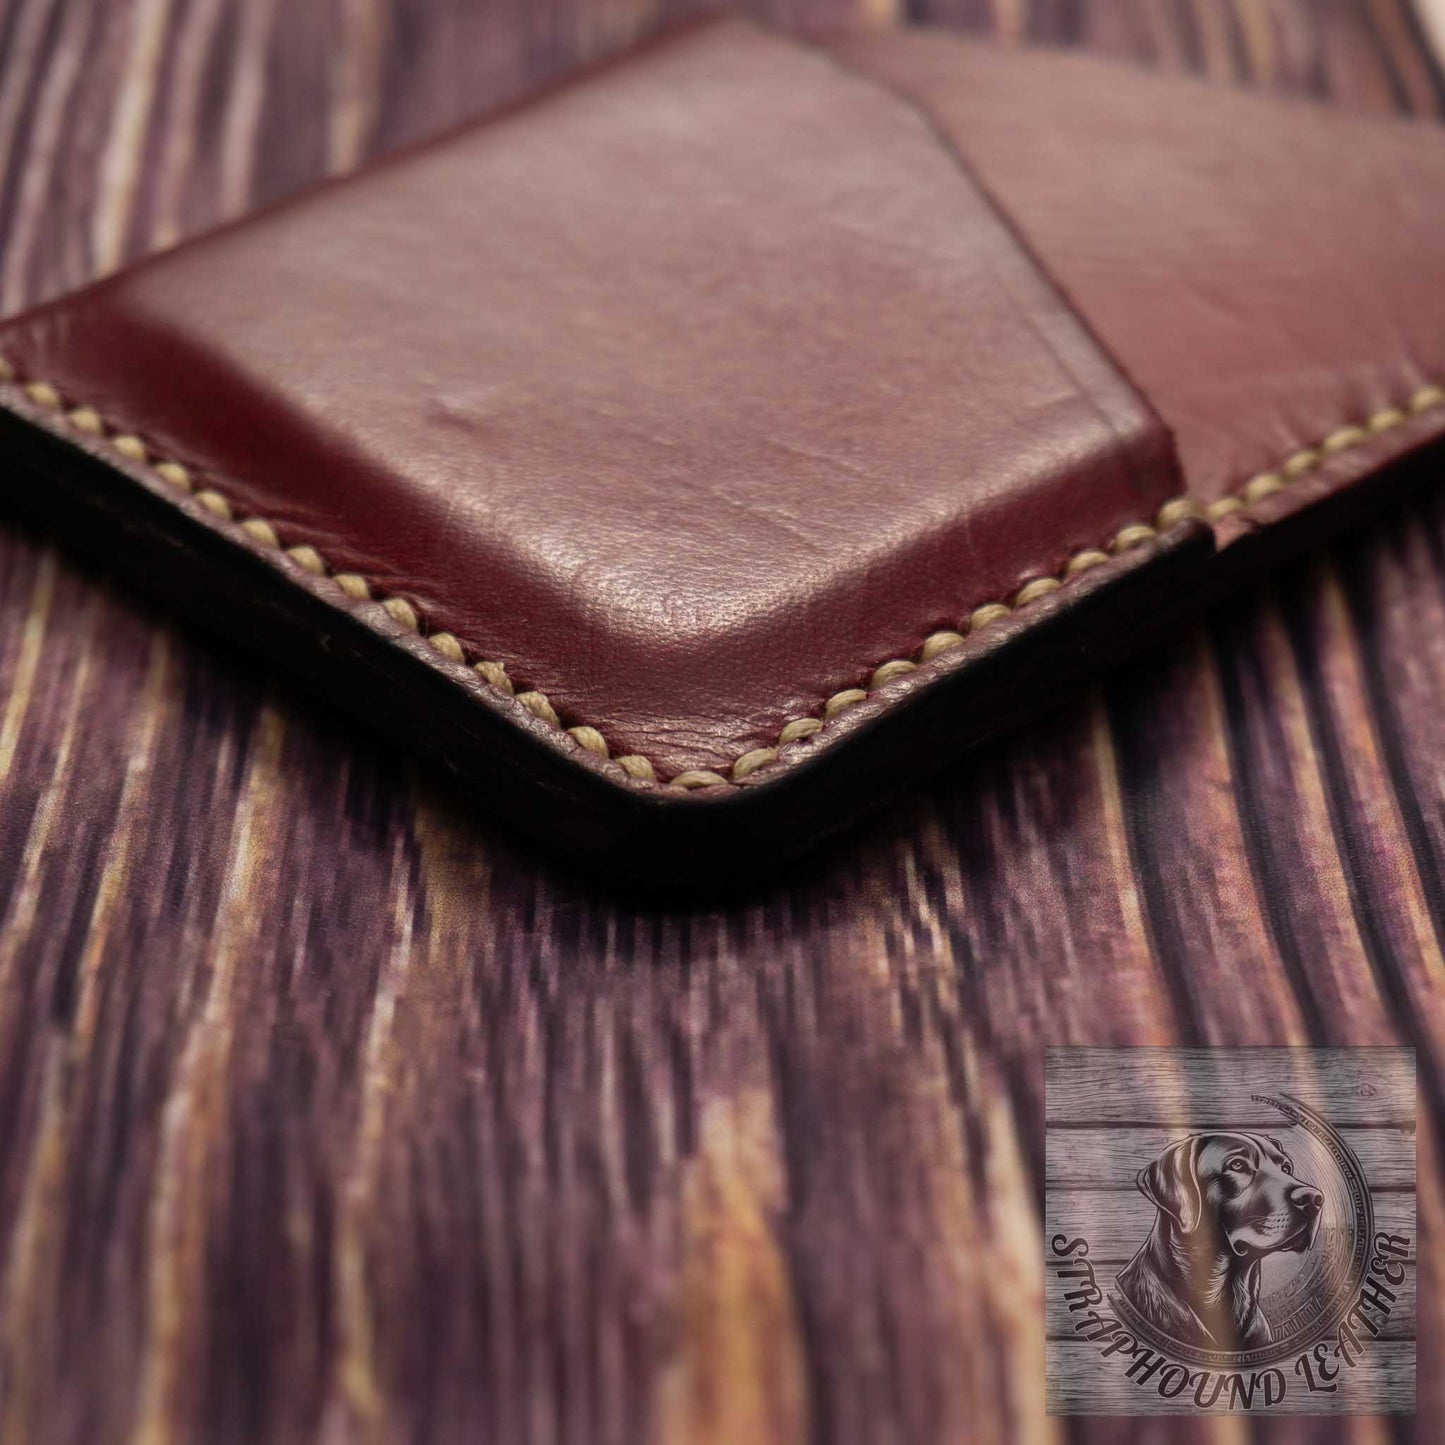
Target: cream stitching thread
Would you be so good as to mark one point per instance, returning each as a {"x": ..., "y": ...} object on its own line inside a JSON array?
[{"x": 1172, "y": 514}]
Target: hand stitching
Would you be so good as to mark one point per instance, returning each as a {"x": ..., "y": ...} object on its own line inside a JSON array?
[{"x": 1174, "y": 513}]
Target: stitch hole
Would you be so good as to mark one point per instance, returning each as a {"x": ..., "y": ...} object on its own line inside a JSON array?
[
  {"x": 354, "y": 585},
  {"x": 175, "y": 474},
  {"x": 86, "y": 419},
  {"x": 539, "y": 705},
  {"x": 637, "y": 767},
  {"x": 261, "y": 530},
  {"x": 130, "y": 447},
  {"x": 1032, "y": 591},
  {"x": 939, "y": 642},
  {"x": 447, "y": 645},
  {"x": 900, "y": 667},
  {"x": 1262, "y": 486},
  {"x": 215, "y": 503},
  {"x": 1085, "y": 561},
  {"x": 698, "y": 778},
  {"x": 495, "y": 674},
  {"x": 750, "y": 762},
  {"x": 401, "y": 611},
  {"x": 43, "y": 394},
  {"x": 842, "y": 701},
  {"x": 308, "y": 559},
  {"x": 590, "y": 739},
  {"x": 1427, "y": 397},
  {"x": 987, "y": 615},
  {"x": 798, "y": 729}
]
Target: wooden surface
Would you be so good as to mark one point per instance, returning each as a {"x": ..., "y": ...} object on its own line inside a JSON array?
[{"x": 329, "y": 1113}]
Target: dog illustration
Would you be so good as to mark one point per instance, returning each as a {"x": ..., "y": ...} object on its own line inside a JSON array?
[{"x": 1224, "y": 1201}]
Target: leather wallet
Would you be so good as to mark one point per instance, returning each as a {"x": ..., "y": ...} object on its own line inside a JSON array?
[{"x": 691, "y": 456}]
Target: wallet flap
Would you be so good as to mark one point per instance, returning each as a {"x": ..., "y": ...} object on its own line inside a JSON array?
[{"x": 685, "y": 396}]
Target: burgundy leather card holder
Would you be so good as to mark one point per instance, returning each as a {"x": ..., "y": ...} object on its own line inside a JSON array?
[{"x": 692, "y": 456}]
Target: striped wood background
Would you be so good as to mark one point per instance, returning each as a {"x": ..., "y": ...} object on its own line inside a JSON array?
[{"x": 328, "y": 1113}]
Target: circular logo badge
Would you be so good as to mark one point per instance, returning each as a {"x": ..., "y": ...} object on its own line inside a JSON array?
[{"x": 1259, "y": 1245}]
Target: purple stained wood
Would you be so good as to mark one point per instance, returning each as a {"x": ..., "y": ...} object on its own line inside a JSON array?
[{"x": 329, "y": 1112}]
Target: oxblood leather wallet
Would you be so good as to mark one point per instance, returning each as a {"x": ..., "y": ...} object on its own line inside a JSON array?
[{"x": 692, "y": 456}]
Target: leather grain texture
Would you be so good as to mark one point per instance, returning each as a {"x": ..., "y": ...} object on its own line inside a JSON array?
[
  {"x": 692, "y": 392},
  {"x": 1269, "y": 272},
  {"x": 688, "y": 394}
]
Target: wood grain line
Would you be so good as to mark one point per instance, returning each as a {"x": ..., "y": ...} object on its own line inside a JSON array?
[{"x": 192, "y": 1134}]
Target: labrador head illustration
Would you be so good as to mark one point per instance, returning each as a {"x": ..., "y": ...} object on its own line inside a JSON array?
[{"x": 1223, "y": 1202}]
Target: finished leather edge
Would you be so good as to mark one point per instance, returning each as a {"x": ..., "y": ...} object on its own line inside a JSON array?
[
  {"x": 538, "y": 778},
  {"x": 181, "y": 548}
]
